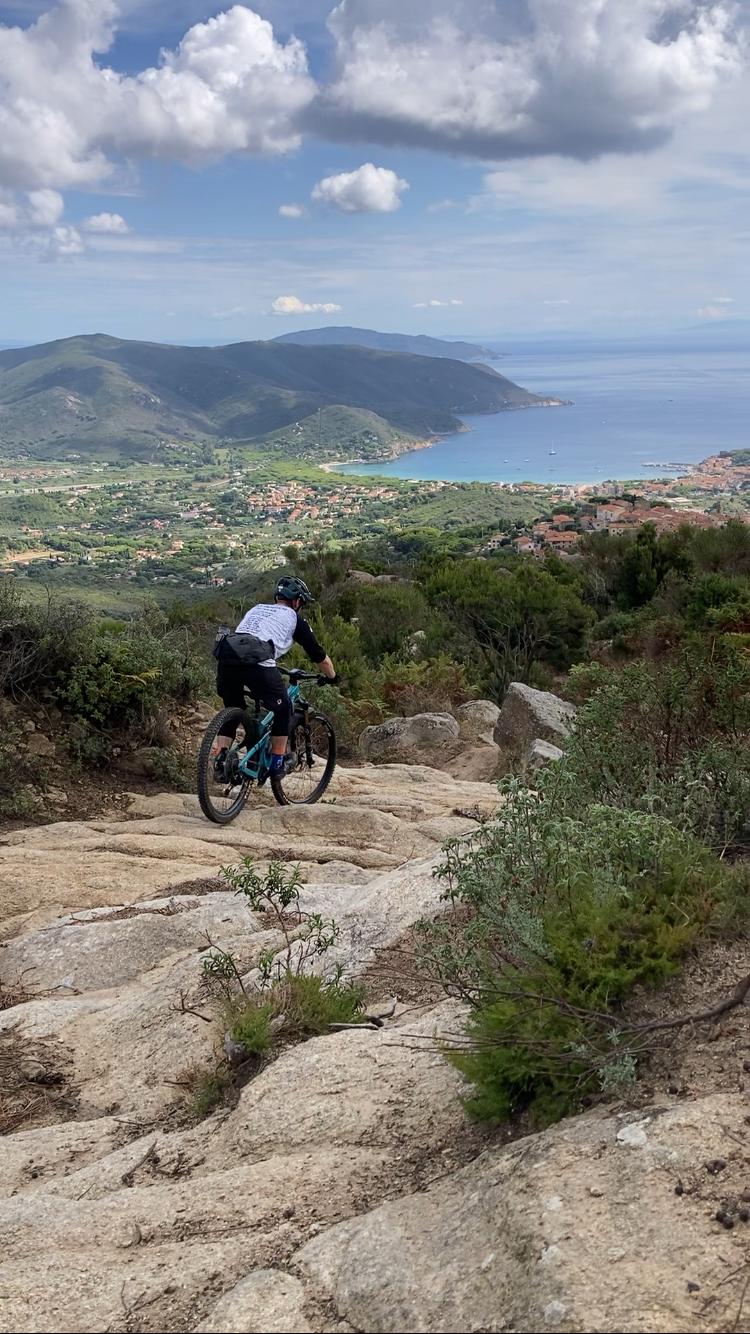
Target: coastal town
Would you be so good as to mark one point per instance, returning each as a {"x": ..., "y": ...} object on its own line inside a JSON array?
[{"x": 97, "y": 525}]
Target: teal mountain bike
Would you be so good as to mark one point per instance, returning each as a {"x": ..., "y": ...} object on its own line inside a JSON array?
[{"x": 225, "y": 776}]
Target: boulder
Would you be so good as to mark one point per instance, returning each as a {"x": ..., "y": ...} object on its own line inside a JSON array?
[
  {"x": 541, "y": 753},
  {"x": 364, "y": 577},
  {"x": 267, "y": 1302},
  {"x": 477, "y": 721},
  {"x": 527, "y": 714},
  {"x": 409, "y": 738},
  {"x": 577, "y": 1228},
  {"x": 40, "y": 745},
  {"x": 139, "y": 763}
]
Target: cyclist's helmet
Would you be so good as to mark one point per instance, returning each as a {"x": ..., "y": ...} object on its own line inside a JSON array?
[{"x": 291, "y": 587}]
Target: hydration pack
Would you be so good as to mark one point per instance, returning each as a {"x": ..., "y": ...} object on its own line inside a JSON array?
[{"x": 241, "y": 650}]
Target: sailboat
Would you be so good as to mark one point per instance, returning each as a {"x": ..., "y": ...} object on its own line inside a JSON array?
[{"x": 553, "y": 450}]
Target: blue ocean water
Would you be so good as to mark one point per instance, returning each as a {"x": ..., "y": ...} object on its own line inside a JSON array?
[{"x": 633, "y": 404}]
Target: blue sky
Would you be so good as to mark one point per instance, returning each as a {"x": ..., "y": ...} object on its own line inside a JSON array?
[{"x": 484, "y": 167}]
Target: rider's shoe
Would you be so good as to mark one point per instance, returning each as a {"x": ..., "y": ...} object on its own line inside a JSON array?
[{"x": 219, "y": 762}]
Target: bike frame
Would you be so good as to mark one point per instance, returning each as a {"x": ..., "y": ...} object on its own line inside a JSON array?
[{"x": 255, "y": 765}]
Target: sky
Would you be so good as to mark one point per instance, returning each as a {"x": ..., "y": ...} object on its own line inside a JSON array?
[{"x": 177, "y": 170}]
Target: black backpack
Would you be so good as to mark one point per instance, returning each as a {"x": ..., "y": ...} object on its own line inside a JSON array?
[{"x": 242, "y": 650}]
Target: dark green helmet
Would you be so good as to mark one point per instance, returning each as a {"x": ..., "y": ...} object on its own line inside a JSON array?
[{"x": 291, "y": 587}]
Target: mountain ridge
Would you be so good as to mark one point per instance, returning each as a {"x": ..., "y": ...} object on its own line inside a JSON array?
[
  {"x": 423, "y": 345},
  {"x": 94, "y": 393}
]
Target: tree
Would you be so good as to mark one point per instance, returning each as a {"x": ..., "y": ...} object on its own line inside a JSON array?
[{"x": 513, "y": 618}]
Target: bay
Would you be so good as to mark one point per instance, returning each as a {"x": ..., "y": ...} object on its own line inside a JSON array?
[{"x": 633, "y": 404}]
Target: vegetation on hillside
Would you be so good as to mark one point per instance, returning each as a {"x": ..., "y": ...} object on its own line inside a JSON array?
[
  {"x": 125, "y": 398},
  {"x": 96, "y": 681}
]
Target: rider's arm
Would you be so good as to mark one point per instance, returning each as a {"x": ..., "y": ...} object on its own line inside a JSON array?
[
  {"x": 304, "y": 636},
  {"x": 327, "y": 668}
]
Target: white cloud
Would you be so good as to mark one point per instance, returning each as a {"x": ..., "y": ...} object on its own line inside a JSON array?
[
  {"x": 434, "y": 303},
  {"x": 443, "y": 205},
  {"x": 108, "y": 224},
  {"x": 524, "y": 77},
  {"x": 713, "y": 312},
  {"x": 724, "y": 300},
  {"x": 291, "y": 305},
  {"x": 34, "y": 221},
  {"x": 228, "y": 314},
  {"x": 61, "y": 242},
  {"x": 557, "y": 301},
  {"x": 66, "y": 119},
  {"x": 291, "y": 211},
  {"x": 369, "y": 189}
]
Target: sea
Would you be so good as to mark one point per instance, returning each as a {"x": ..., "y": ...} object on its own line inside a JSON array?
[{"x": 636, "y": 407}]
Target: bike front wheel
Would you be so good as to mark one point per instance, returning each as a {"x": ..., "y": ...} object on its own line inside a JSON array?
[
  {"x": 310, "y": 762},
  {"x": 222, "y": 788}
]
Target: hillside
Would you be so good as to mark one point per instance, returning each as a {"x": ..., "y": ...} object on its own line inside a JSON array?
[
  {"x": 421, "y": 345},
  {"x": 115, "y": 397}
]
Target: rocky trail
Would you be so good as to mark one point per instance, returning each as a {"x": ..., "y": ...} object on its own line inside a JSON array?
[{"x": 345, "y": 1189}]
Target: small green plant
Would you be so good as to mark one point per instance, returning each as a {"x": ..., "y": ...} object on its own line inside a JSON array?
[
  {"x": 205, "y": 1088},
  {"x": 275, "y": 894},
  {"x": 170, "y": 769},
  {"x": 248, "y": 1021},
  {"x": 289, "y": 1003}
]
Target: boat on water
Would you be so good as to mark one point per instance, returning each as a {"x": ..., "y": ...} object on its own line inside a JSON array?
[{"x": 553, "y": 451}]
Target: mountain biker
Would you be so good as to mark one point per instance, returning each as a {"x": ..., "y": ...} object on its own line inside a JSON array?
[{"x": 280, "y": 623}]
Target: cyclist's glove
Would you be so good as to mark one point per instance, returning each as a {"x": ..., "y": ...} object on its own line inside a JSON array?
[{"x": 329, "y": 680}]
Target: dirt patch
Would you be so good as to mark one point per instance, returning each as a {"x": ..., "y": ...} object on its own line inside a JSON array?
[
  {"x": 197, "y": 888},
  {"x": 34, "y": 1085},
  {"x": 697, "y": 1059}
]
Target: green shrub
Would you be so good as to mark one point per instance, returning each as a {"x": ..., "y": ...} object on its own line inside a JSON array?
[
  {"x": 248, "y": 1022},
  {"x": 561, "y": 917},
  {"x": 19, "y": 774},
  {"x": 206, "y": 1088},
  {"x": 670, "y": 737},
  {"x": 171, "y": 769},
  {"x": 311, "y": 1004},
  {"x": 104, "y": 675}
]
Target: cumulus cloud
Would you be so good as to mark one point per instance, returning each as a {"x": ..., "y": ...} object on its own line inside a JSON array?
[
  {"x": 291, "y": 211},
  {"x": 291, "y": 305},
  {"x": 513, "y": 78},
  {"x": 434, "y": 303},
  {"x": 369, "y": 189},
  {"x": 61, "y": 242},
  {"x": 66, "y": 118},
  {"x": 108, "y": 224},
  {"x": 34, "y": 221}
]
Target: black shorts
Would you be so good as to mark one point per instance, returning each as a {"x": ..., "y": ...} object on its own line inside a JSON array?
[{"x": 263, "y": 683}]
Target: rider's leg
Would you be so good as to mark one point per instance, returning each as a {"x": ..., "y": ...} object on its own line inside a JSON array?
[
  {"x": 275, "y": 696},
  {"x": 230, "y": 687}
]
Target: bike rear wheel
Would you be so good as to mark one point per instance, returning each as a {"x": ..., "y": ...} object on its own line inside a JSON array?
[
  {"x": 311, "y": 760},
  {"x": 222, "y": 789}
]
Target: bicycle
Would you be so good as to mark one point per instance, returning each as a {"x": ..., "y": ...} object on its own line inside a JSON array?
[{"x": 225, "y": 778}]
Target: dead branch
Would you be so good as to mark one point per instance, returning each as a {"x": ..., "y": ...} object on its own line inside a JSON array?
[{"x": 184, "y": 1008}]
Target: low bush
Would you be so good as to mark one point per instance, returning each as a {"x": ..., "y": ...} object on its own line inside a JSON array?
[
  {"x": 17, "y": 774},
  {"x": 671, "y": 737},
  {"x": 561, "y": 918},
  {"x": 103, "y": 675}
]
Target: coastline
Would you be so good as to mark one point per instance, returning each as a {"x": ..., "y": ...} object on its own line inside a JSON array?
[
  {"x": 413, "y": 446},
  {"x": 333, "y": 465}
]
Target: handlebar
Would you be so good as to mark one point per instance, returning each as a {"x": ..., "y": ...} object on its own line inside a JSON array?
[{"x": 296, "y": 674}]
